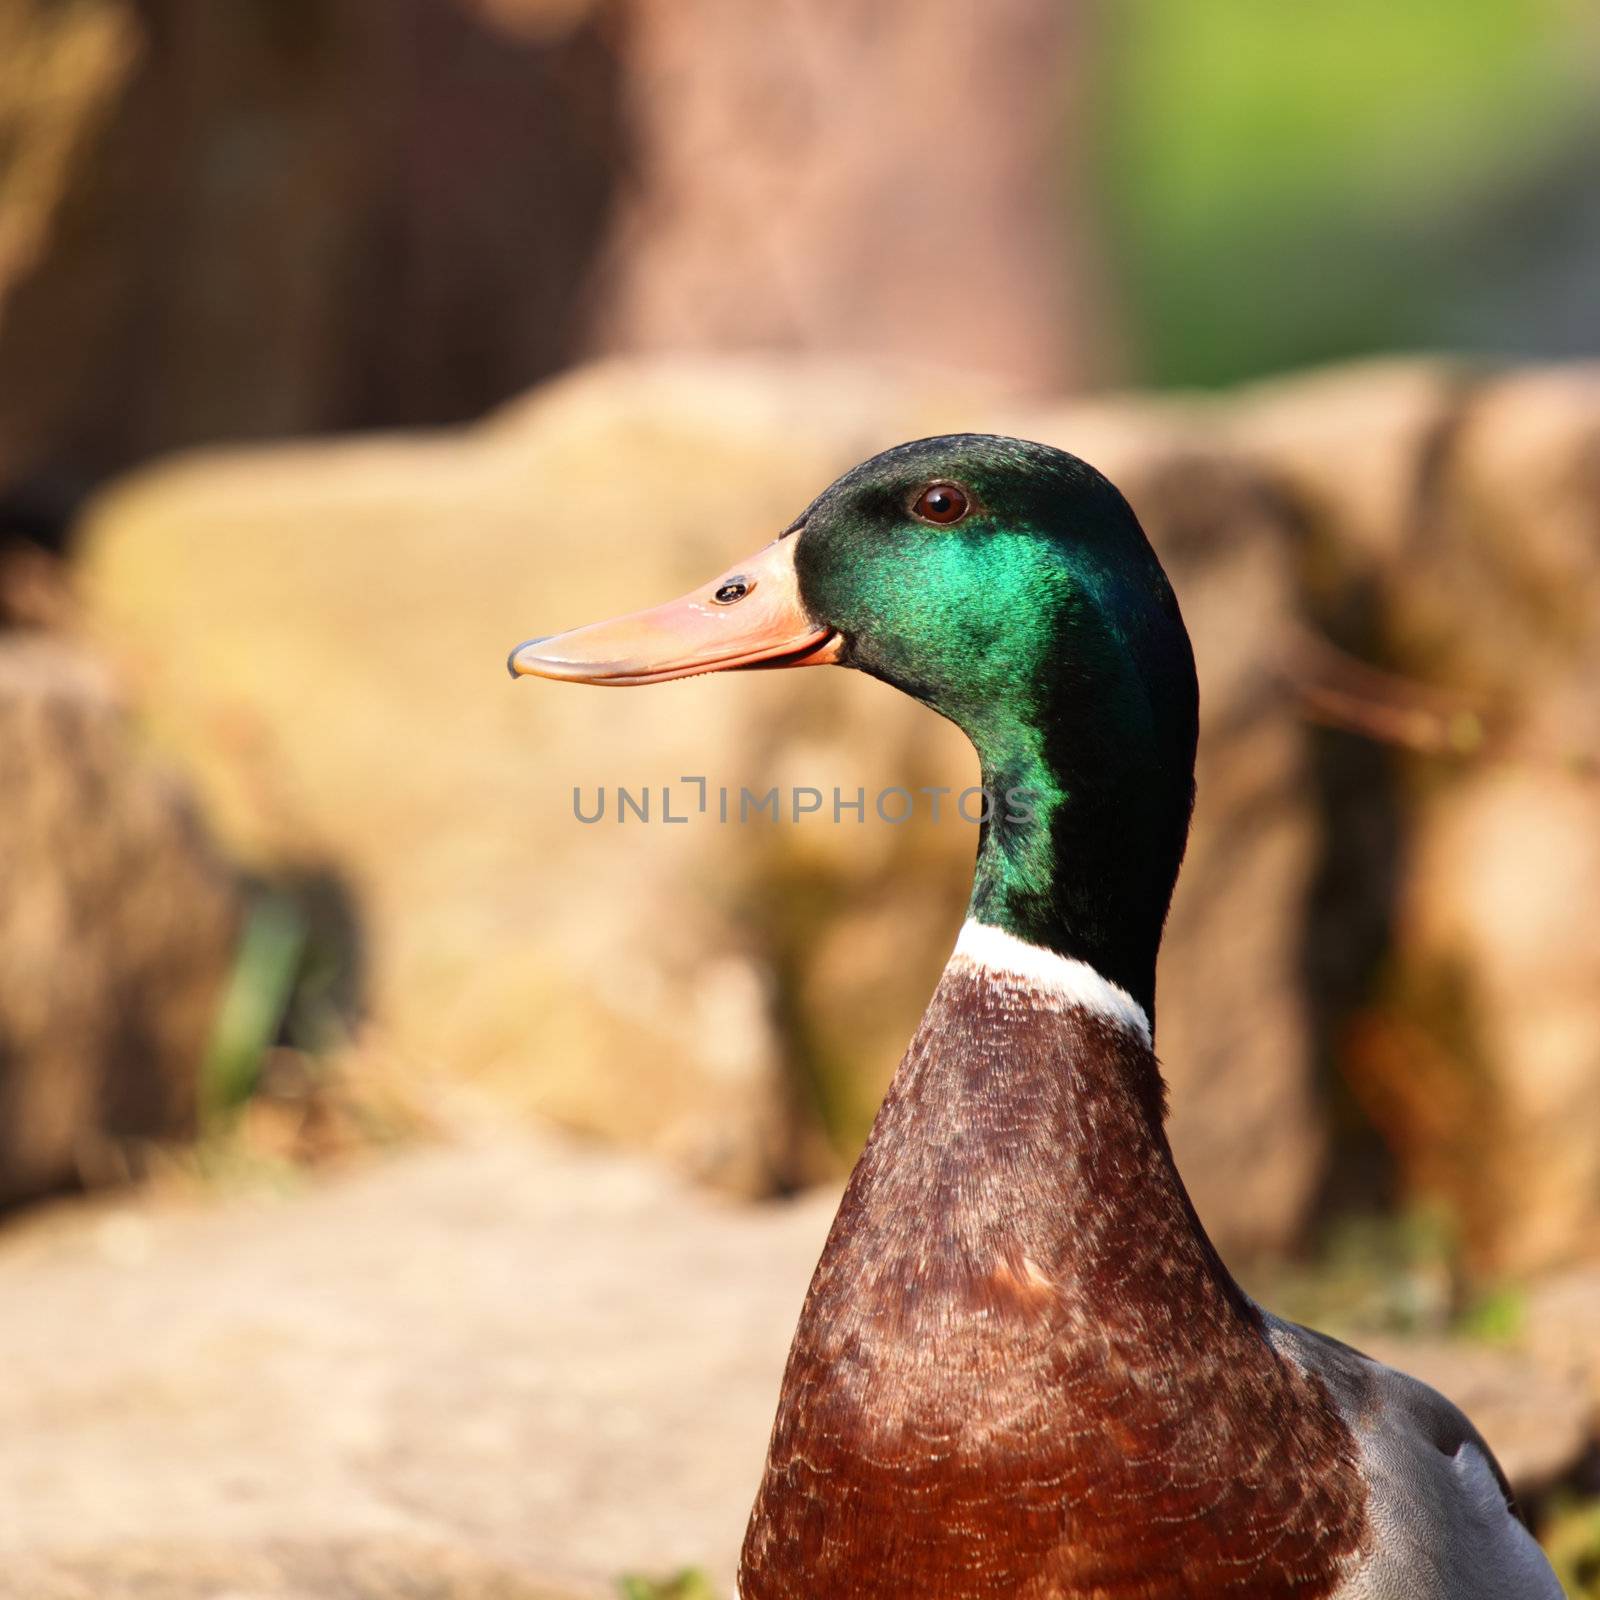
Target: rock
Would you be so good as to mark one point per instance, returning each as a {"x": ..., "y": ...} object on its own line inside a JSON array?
[
  {"x": 116, "y": 930},
  {"x": 1447, "y": 527},
  {"x": 1560, "y": 1318},
  {"x": 283, "y": 1570},
  {"x": 1478, "y": 1054},
  {"x": 329, "y": 670},
  {"x": 1350, "y": 451},
  {"x": 1494, "y": 1108},
  {"x": 1519, "y": 488},
  {"x": 526, "y": 1365}
]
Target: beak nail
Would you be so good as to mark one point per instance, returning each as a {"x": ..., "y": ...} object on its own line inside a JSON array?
[{"x": 511, "y": 660}]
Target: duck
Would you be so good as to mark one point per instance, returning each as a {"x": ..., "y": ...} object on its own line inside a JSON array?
[{"x": 1022, "y": 1369}]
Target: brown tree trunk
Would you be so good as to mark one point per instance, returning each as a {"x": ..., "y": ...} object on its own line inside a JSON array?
[{"x": 885, "y": 177}]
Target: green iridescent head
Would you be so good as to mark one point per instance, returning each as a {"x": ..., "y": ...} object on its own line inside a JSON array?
[{"x": 1010, "y": 587}]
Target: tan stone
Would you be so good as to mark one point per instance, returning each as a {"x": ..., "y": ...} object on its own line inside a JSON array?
[
  {"x": 1501, "y": 970},
  {"x": 510, "y": 1357},
  {"x": 1560, "y": 1319},
  {"x": 284, "y": 1569},
  {"x": 1351, "y": 450},
  {"x": 1448, "y": 530},
  {"x": 1486, "y": 1074}
]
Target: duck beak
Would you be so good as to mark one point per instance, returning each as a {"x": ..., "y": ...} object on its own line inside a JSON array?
[{"x": 752, "y": 616}]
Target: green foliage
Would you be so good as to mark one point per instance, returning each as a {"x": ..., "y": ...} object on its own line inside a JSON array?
[
  {"x": 1496, "y": 1316},
  {"x": 253, "y": 1007},
  {"x": 687, "y": 1585},
  {"x": 1572, "y": 1541},
  {"x": 1390, "y": 1274},
  {"x": 293, "y": 983},
  {"x": 1399, "y": 1274},
  {"x": 1290, "y": 183}
]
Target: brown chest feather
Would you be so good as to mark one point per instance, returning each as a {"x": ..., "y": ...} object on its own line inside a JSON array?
[{"x": 1021, "y": 1369}]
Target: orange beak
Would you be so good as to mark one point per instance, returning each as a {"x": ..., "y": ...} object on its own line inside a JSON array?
[{"x": 752, "y": 616}]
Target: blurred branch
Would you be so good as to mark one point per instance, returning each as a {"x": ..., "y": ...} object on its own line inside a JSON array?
[{"x": 1337, "y": 690}]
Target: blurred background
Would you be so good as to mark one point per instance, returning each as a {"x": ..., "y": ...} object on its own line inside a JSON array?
[{"x": 408, "y": 1189}]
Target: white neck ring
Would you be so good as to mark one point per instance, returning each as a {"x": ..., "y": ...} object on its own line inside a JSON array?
[{"x": 1062, "y": 980}]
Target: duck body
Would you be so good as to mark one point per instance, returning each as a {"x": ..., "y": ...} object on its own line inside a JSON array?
[
  {"x": 1021, "y": 1369},
  {"x": 1020, "y": 1360}
]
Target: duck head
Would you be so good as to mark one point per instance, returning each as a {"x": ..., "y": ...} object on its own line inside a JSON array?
[{"x": 1008, "y": 586}]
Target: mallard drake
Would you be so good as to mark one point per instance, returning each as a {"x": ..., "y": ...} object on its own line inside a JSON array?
[{"x": 1022, "y": 1369}]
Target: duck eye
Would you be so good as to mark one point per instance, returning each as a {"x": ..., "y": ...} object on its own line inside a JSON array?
[
  {"x": 942, "y": 503},
  {"x": 732, "y": 590}
]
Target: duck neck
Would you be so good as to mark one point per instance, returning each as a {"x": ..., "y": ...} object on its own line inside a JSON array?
[
  {"x": 1080, "y": 847},
  {"x": 1028, "y": 1121}
]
